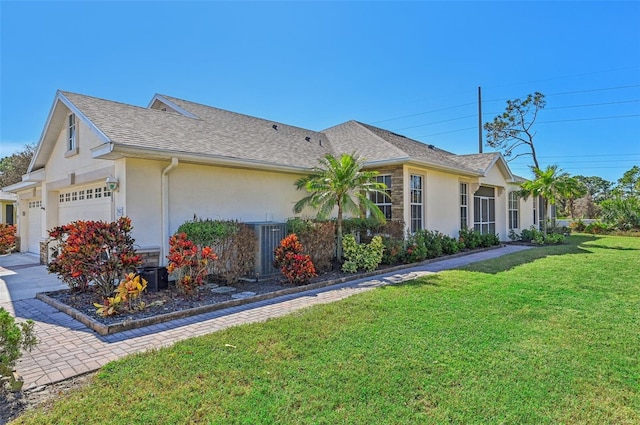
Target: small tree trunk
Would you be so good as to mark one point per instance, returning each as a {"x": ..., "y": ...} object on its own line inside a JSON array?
[{"x": 339, "y": 235}]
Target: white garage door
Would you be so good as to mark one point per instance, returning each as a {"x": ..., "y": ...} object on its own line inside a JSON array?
[
  {"x": 91, "y": 202},
  {"x": 34, "y": 225}
]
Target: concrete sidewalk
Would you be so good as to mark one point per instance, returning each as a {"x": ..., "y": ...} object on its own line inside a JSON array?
[{"x": 68, "y": 348}]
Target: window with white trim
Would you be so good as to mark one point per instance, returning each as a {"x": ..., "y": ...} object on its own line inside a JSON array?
[
  {"x": 513, "y": 210},
  {"x": 383, "y": 202},
  {"x": 416, "y": 194},
  {"x": 464, "y": 206},
  {"x": 484, "y": 210},
  {"x": 71, "y": 133}
]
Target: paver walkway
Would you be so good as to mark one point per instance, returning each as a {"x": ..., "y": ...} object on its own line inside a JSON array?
[{"x": 68, "y": 348}]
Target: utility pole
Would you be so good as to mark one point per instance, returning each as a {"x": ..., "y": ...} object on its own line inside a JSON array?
[{"x": 479, "y": 119}]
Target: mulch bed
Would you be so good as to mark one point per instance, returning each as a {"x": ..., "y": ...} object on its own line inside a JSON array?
[{"x": 171, "y": 300}]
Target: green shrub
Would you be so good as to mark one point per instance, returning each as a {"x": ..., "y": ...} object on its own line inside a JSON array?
[
  {"x": 14, "y": 337},
  {"x": 554, "y": 238},
  {"x": 469, "y": 238},
  {"x": 394, "y": 251},
  {"x": 489, "y": 239},
  {"x": 416, "y": 250},
  {"x": 621, "y": 213},
  {"x": 597, "y": 228},
  {"x": 233, "y": 242},
  {"x": 514, "y": 236},
  {"x": 361, "y": 256}
]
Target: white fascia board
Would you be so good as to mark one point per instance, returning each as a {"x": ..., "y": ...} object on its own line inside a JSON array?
[
  {"x": 17, "y": 187},
  {"x": 172, "y": 105},
  {"x": 115, "y": 151}
]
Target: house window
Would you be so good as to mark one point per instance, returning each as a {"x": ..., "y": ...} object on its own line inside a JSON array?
[
  {"x": 513, "y": 210},
  {"x": 71, "y": 133},
  {"x": 484, "y": 210},
  {"x": 416, "y": 194},
  {"x": 464, "y": 206},
  {"x": 383, "y": 202}
]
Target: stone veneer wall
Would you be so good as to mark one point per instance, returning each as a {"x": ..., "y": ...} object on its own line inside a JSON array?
[
  {"x": 44, "y": 257},
  {"x": 397, "y": 195}
]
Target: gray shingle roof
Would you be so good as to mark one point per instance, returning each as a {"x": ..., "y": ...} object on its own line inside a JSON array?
[
  {"x": 376, "y": 144},
  {"x": 214, "y": 133}
]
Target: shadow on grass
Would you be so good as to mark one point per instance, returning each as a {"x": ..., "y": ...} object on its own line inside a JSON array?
[
  {"x": 572, "y": 245},
  {"x": 619, "y": 248}
]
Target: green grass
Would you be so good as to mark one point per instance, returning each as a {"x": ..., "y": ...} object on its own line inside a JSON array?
[{"x": 548, "y": 335}]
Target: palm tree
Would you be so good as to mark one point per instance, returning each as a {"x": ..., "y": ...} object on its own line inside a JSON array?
[
  {"x": 340, "y": 183},
  {"x": 550, "y": 184},
  {"x": 572, "y": 189}
]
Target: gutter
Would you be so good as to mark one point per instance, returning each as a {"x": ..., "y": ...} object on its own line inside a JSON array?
[{"x": 164, "y": 245}]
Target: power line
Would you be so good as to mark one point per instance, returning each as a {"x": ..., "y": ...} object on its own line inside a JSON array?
[
  {"x": 590, "y": 119},
  {"x": 436, "y": 122},
  {"x": 575, "y": 92},
  {"x": 424, "y": 113}
]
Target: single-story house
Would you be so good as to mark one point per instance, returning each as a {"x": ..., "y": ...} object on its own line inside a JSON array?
[{"x": 162, "y": 164}]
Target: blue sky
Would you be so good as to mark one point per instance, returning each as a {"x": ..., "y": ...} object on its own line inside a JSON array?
[{"x": 413, "y": 68}]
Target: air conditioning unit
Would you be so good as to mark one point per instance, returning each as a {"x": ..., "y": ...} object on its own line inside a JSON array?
[{"x": 269, "y": 235}]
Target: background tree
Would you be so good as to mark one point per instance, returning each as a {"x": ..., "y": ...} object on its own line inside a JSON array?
[
  {"x": 571, "y": 189},
  {"x": 629, "y": 183},
  {"x": 597, "y": 188},
  {"x": 513, "y": 128},
  {"x": 13, "y": 167},
  {"x": 340, "y": 183}
]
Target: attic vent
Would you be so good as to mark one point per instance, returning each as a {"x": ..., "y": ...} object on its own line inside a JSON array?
[
  {"x": 431, "y": 147},
  {"x": 274, "y": 126},
  {"x": 307, "y": 138}
]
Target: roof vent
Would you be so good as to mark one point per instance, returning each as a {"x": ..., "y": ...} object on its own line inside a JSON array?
[
  {"x": 431, "y": 147},
  {"x": 274, "y": 126},
  {"x": 307, "y": 138},
  {"x": 164, "y": 109}
]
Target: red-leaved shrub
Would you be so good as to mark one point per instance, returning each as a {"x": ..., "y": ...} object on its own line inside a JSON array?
[{"x": 294, "y": 265}]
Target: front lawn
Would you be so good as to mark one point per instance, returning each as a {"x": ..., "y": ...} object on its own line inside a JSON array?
[{"x": 548, "y": 335}]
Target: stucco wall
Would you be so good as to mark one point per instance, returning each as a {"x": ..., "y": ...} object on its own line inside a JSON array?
[
  {"x": 442, "y": 199},
  {"x": 140, "y": 199},
  {"x": 227, "y": 193}
]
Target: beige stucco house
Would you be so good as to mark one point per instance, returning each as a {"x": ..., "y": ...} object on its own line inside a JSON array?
[{"x": 162, "y": 164}]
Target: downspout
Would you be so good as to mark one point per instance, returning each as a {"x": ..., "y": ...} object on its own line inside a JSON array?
[{"x": 164, "y": 245}]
